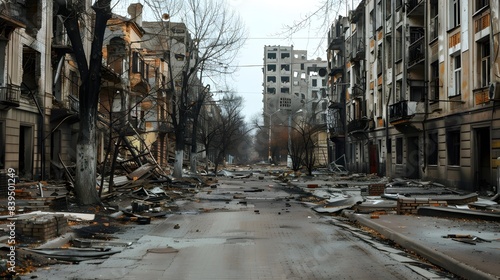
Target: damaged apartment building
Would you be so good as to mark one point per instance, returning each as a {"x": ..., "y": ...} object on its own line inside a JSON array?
[
  {"x": 415, "y": 87},
  {"x": 39, "y": 89}
]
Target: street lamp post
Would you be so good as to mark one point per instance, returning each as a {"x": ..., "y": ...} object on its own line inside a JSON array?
[
  {"x": 269, "y": 132},
  {"x": 289, "y": 161}
]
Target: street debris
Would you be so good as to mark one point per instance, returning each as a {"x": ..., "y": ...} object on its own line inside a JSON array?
[
  {"x": 74, "y": 255},
  {"x": 466, "y": 238},
  {"x": 163, "y": 250}
]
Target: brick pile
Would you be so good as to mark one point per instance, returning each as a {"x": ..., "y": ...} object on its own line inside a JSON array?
[
  {"x": 376, "y": 189},
  {"x": 411, "y": 205},
  {"x": 42, "y": 228}
]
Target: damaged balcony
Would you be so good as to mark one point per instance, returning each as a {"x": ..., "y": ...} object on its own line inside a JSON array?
[
  {"x": 9, "y": 97},
  {"x": 402, "y": 112},
  {"x": 358, "y": 127},
  {"x": 358, "y": 49},
  {"x": 335, "y": 122},
  {"x": 416, "y": 50},
  {"x": 68, "y": 109}
]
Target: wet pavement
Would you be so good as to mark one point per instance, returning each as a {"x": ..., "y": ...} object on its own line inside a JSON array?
[
  {"x": 425, "y": 236},
  {"x": 228, "y": 223}
]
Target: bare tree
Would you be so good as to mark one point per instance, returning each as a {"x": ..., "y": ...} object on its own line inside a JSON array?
[
  {"x": 231, "y": 128},
  {"x": 303, "y": 144},
  {"x": 89, "y": 67},
  {"x": 216, "y": 35},
  {"x": 319, "y": 20}
]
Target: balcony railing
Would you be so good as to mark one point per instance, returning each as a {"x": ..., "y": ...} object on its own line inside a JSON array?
[
  {"x": 416, "y": 52},
  {"x": 9, "y": 96},
  {"x": 402, "y": 110},
  {"x": 357, "y": 125}
]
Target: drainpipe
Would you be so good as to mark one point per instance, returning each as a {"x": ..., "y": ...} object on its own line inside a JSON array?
[{"x": 426, "y": 91}]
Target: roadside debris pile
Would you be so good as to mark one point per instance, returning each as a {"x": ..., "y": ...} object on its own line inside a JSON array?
[
  {"x": 398, "y": 196},
  {"x": 466, "y": 238},
  {"x": 41, "y": 228}
]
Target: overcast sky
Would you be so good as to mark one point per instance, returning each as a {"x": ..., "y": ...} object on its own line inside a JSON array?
[{"x": 265, "y": 21}]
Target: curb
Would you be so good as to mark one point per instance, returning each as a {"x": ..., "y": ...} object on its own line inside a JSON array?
[{"x": 433, "y": 256}]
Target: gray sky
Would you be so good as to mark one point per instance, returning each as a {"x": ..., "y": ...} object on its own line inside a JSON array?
[{"x": 265, "y": 21}]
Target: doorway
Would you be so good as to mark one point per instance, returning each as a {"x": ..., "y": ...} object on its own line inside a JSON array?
[{"x": 26, "y": 151}]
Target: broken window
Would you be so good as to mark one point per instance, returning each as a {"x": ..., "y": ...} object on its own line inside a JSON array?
[
  {"x": 271, "y": 68},
  {"x": 271, "y": 79},
  {"x": 271, "y": 55},
  {"x": 453, "y": 147},
  {"x": 31, "y": 70},
  {"x": 285, "y": 55}
]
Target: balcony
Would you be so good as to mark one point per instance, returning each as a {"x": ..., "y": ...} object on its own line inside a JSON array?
[
  {"x": 402, "y": 111},
  {"x": 68, "y": 110},
  {"x": 336, "y": 44},
  {"x": 335, "y": 124},
  {"x": 359, "y": 125},
  {"x": 358, "y": 49},
  {"x": 9, "y": 97},
  {"x": 416, "y": 53},
  {"x": 357, "y": 91}
]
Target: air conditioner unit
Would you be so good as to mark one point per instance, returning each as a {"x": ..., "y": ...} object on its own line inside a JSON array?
[{"x": 494, "y": 92}]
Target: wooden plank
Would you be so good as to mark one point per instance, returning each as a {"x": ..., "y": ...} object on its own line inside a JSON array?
[{"x": 141, "y": 171}]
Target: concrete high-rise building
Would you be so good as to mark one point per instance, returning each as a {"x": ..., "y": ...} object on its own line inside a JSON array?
[{"x": 293, "y": 85}]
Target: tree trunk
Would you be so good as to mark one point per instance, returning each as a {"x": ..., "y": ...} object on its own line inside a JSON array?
[
  {"x": 90, "y": 74},
  {"x": 179, "y": 157}
]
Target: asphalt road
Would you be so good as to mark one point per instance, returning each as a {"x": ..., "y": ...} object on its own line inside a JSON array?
[{"x": 244, "y": 229}]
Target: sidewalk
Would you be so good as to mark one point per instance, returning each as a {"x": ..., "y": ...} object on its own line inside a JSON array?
[{"x": 424, "y": 236}]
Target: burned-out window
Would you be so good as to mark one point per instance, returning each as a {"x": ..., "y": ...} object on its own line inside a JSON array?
[
  {"x": 271, "y": 68},
  {"x": 453, "y": 147},
  {"x": 432, "y": 148},
  {"x": 31, "y": 71},
  {"x": 271, "y": 55}
]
